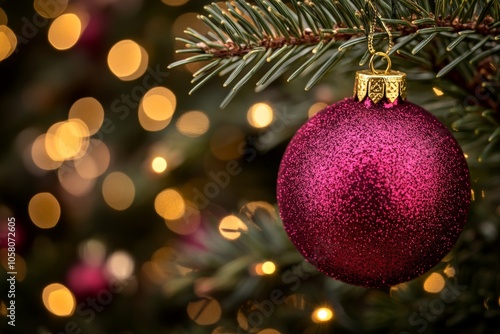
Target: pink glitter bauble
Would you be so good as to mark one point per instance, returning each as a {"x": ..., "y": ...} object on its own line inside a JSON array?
[{"x": 373, "y": 194}]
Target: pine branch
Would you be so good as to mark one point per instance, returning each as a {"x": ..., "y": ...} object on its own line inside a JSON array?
[{"x": 246, "y": 37}]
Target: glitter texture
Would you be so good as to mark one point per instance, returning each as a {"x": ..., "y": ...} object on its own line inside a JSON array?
[{"x": 373, "y": 195}]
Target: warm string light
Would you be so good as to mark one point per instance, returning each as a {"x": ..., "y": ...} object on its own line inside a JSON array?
[
  {"x": 193, "y": 123},
  {"x": 128, "y": 60},
  {"x": 188, "y": 223},
  {"x": 120, "y": 265},
  {"x": 265, "y": 268},
  {"x": 437, "y": 91},
  {"x": 59, "y": 300},
  {"x": 434, "y": 283},
  {"x": 68, "y": 147},
  {"x": 50, "y": 10},
  {"x": 65, "y": 31},
  {"x": 8, "y": 41},
  {"x": 157, "y": 108},
  {"x": 44, "y": 210},
  {"x": 174, "y": 3},
  {"x": 206, "y": 311},
  {"x": 260, "y": 115},
  {"x": 169, "y": 204},
  {"x": 322, "y": 314},
  {"x": 159, "y": 165},
  {"x": 118, "y": 191},
  {"x": 231, "y": 227},
  {"x": 3, "y": 18},
  {"x": 90, "y": 112}
]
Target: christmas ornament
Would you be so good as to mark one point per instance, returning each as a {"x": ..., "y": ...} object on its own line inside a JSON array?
[{"x": 374, "y": 190}]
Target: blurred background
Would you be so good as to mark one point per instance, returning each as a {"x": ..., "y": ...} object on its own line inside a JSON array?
[{"x": 141, "y": 209}]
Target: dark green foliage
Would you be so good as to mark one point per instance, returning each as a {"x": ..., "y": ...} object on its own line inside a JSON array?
[{"x": 314, "y": 32}]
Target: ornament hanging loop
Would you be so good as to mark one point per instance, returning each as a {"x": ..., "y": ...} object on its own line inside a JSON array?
[
  {"x": 384, "y": 55},
  {"x": 373, "y": 25}
]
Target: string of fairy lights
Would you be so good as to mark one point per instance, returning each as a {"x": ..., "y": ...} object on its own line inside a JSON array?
[{"x": 82, "y": 161}]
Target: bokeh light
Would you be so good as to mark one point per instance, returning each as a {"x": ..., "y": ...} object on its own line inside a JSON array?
[
  {"x": 265, "y": 268},
  {"x": 157, "y": 108},
  {"x": 67, "y": 140},
  {"x": 118, "y": 191},
  {"x": 159, "y": 103},
  {"x": 8, "y": 42},
  {"x": 95, "y": 162},
  {"x": 174, "y": 3},
  {"x": 65, "y": 31},
  {"x": 49, "y": 8},
  {"x": 72, "y": 182},
  {"x": 316, "y": 108},
  {"x": 231, "y": 227},
  {"x": 254, "y": 209},
  {"x": 89, "y": 111},
  {"x": 44, "y": 210},
  {"x": 268, "y": 267},
  {"x": 59, "y": 300},
  {"x": 120, "y": 265},
  {"x": 92, "y": 252},
  {"x": 40, "y": 156},
  {"x": 449, "y": 271},
  {"x": 322, "y": 314},
  {"x": 169, "y": 204},
  {"x": 188, "y": 223},
  {"x": 434, "y": 283},
  {"x": 260, "y": 115},
  {"x": 437, "y": 91},
  {"x": 3, "y": 18},
  {"x": 193, "y": 123},
  {"x": 269, "y": 331},
  {"x": 159, "y": 164},
  {"x": 127, "y": 60},
  {"x": 206, "y": 311},
  {"x": 149, "y": 124}
]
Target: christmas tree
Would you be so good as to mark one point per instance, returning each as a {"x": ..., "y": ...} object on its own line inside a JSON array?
[{"x": 132, "y": 203}]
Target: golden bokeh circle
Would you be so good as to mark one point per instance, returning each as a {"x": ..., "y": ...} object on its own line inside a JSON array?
[
  {"x": 65, "y": 31},
  {"x": 44, "y": 210}
]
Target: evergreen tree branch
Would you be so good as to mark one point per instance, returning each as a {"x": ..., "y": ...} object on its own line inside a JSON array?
[{"x": 314, "y": 31}]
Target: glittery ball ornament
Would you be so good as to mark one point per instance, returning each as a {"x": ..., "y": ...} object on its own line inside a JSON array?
[{"x": 373, "y": 194}]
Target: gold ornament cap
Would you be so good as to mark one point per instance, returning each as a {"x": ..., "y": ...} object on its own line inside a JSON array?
[{"x": 378, "y": 84}]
